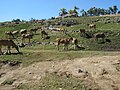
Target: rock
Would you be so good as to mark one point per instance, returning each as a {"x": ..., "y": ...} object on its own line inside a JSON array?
[
  {"x": 80, "y": 71},
  {"x": 13, "y": 63},
  {"x": 21, "y": 45},
  {"x": 104, "y": 72}
]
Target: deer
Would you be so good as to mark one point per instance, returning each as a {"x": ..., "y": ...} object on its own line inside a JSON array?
[{"x": 8, "y": 43}]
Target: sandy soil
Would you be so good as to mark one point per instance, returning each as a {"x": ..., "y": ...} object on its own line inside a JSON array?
[{"x": 97, "y": 72}]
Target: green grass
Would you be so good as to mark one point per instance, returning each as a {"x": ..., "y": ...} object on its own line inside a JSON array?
[
  {"x": 54, "y": 82},
  {"x": 40, "y": 53},
  {"x": 37, "y": 54},
  {"x": 12, "y": 27}
]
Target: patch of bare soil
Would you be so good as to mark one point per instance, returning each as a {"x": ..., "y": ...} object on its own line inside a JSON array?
[{"x": 102, "y": 73}]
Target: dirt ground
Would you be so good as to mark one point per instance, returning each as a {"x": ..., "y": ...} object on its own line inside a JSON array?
[{"x": 100, "y": 72}]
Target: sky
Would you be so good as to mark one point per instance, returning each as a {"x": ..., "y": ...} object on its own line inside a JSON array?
[{"x": 44, "y": 9}]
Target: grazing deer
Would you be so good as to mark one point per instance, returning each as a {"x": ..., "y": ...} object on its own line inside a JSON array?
[
  {"x": 82, "y": 32},
  {"x": 92, "y": 26},
  {"x": 66, "y": 42},
  {"x": 43, "y": 34},
  {"x": 99, "y": 35},
  {"x": 34, "y": 30},
  {"x": 24, "y": 36},
  {"x": 74, "y": 41},
  {"x": 15, "y": 33},
  {"x": 23, "y": 31},
  {"x": 8, "y": 43},
  {"x": 10, "y": 34}
]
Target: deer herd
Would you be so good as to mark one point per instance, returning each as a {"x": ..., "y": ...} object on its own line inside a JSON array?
[{"x": 28, "y": 34}]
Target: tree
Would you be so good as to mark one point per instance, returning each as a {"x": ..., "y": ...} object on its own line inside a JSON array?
[
  {"x": 118, "y": 12},
  {"x": 90, "y": 11},
  {"x": 111, "y": 10},
  {"x": 115, "y": 9},
  {"x": 63, "y": 11},
  {"x": 16, "y": 20},
  {"x": 107, "y": 11},
  {"x": 93, "y": 11},
  {"x": 98, "y": 12},
  {"x": 83, "y": 12},
  {"x": 102, "y": 11},
  {"x": 75, "y": 10},
  {"x": 71, "y": 11}
]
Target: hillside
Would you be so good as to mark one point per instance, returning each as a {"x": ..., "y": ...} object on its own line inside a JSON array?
[{"x": 93, "y": 65}]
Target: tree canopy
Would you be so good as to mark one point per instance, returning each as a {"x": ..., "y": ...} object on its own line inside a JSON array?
[{"x": 93, "y": 11}]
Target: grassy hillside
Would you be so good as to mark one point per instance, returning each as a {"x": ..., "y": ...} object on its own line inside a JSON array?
[
  {"x": 108, "y": 25},
  {"x": 48, "y": 52}
]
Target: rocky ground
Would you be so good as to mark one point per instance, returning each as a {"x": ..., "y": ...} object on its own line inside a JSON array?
[{"x": 102, "y": 73}]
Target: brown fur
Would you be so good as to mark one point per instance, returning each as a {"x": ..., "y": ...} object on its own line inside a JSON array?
[
  {"x": 34, "y": 30},
  {"x": 15, "y": 33},
  {"x": 82, "y": 31},
  {"x": 23, "y": 31},
  {"x": 8, "y": 43},
  {"x": 99, "y": 35},
  {"x": 43, "y": 33},
  {"x": 10, "y": 34},
  {"x": 92, "y": 26},
  {"x": 66, "y": 42},
  {"x": 24, "y": 36},
  {"x": 74, "y": 41}
]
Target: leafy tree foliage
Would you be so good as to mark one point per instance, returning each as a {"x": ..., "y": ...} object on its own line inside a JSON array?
[
  {"x": 63, "y": 11},
  {"x": 16, "y": 20},
  {"x": 115, "y": 9},
  {"x": 93, "y": 11}
]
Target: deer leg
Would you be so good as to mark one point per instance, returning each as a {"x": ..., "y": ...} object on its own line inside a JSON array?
[
  {"x": 57, "y": 47},
  {"x": 9, "y": 36},
  {"x": 74, "y": 46},
  {"x": 41, "y": 35},
  {"x": 8, "y": 51},
  {"x": 64, "y": 47},
  {"x": 67, "y": 47},
  {"x": 12, "y": 36},
  {"x": 22, "y": 40},
  {"x": 97, "y": 39},
  {"x": 1, "y": 50},
  {"x": 103, "y": 39},
  {"x": 29, "y": 40}
]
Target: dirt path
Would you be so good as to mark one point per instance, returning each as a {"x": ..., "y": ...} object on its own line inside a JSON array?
[{"x": 102, "y": 72}]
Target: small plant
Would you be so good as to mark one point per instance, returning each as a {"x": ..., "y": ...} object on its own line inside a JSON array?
[
  {"x": 8, "y": 82},
  {"x": 118, "y": 68}
]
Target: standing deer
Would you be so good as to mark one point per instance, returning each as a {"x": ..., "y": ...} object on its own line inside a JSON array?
[
  {"x": 23, "y": 31},
  {"x": 43, "y": 34},
  {"x": 99, "y": 35},
  {"x": 92, "y": 26},
  {"x": 9, "y": 34},
  {"x": 66, "y": 42},
  {"x": 8, "y": 43},
  {"x": 15, "y": 33},
  {"x": 24, "y": 36},
  {"x": 74, "y": 41},
  {"x": 34, "y": 30}
]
